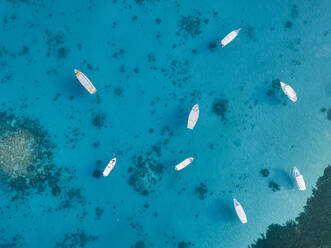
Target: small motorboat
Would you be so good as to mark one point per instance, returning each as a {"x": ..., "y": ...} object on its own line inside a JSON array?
[
  {"x": 230, "y": 37},
  {"x": 299, "y": 179},
  {"x": 85, "y": 82},
  {"x": 193, "y": 117},
  {"x": 289, "y": 92},
  {"x": 109, "y": 167},
  {"x": 183, "y": 164},
  {"x": 240, "y": 211}
]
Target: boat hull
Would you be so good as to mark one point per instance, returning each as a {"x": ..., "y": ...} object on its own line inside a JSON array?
[
  {"x": 183, "y": 164},
  {"x": 109, "y": 167},
  {"x": 240, "y": 211},
  {"x": 193, "y": 117},
  {"x": 289, "y": 92},
  {"x": 229, "y": 37},
  {"x": 299, "y": 179},
  {"x": 87, "y": 84}
]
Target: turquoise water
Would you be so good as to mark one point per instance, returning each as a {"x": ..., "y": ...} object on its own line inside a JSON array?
[{"x": 151, "y": 61}]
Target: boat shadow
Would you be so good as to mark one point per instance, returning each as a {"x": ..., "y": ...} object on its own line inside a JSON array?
[
  {"x": 268, "y": 95},
  {"x": 282, "y": 178},
  {"x": 221, "y": 210},
  {"x": 177, "y": 118},
  {"x": 70, "y": 86}
]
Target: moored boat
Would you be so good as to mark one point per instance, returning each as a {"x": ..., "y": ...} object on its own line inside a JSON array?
[
  {"x": 183, "y": 164},
  {"x": 299, "y": 179},
  {"x": 193, "y": 117},
  {"x": 240, "y": 211},
  {"x": 289, "y": 91},
  {"x": 229, "y": 37},
  {"x": 109, "y": 167},
  {"x": 85, "y": 82}
]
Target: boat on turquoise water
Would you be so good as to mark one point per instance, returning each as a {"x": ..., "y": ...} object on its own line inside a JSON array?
[
  {"x": 299, "y": 179},
  {"x": 109, "y": 167},
  {"x": 193, "y": 117},
  {"x": 287, "y": 89},
  {"x": 240, "y": 211},
  {"x": 85, "y": 82},
  {"x": 183, "y": 164},
  {"x": 229, "y": 37}
]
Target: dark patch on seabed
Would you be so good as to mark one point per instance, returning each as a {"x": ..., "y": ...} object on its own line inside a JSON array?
[
  {"x": 77, "y": 239},
  {"x": 220, "y": 108},
  {"x": 145, "y": 174},
  {"x": 311, "y": 229}
]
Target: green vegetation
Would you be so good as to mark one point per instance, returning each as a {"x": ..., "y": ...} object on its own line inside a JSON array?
[{"x": 311, "y": 229}]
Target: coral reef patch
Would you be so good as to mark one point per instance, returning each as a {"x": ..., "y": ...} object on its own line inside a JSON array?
[
  {"x": 26, "y": 155},
  {"x": 145, "y": 174}
]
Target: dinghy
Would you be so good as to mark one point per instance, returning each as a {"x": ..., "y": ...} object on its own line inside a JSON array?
[
  {"x": 109, "y": 167},
  {"x": 183, "y": 164},
  {"x": 193, "y": 117},
  {"x": 289, "y": 92},
  {"x": 240, "y": 211},
  {"x": 85, "y": 82},
  {"x": 230, "y": 37},
  {"x": 299, "y": 179}
]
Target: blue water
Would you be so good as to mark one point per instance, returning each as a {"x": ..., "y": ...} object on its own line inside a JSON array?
[{"x": 151, "y": 61}]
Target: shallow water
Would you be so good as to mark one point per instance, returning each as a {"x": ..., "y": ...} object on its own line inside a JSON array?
[{"x": 151, "y": 61}]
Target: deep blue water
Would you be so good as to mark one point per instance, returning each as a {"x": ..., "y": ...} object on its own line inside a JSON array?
[{"x": 151, "y": 61}]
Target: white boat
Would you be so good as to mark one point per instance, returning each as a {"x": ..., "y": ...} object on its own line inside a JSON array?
[
  {"x": 230, "y": 37},
  {"x": 183, "y": 164},
  {"x": 240, "y": 211},
  {"x": 299, "y": 179},
  {"x": 85, "y": 82},
  {"x": 109, "y": 167},
  {"x": 289, "y": 92},
  {"x": 193, "y": 117}
]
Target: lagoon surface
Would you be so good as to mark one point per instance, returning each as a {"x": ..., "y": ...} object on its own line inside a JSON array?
[{"x": 151, "y": 61}]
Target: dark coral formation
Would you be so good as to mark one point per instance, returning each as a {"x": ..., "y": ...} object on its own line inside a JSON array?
[
  {"x": 212, "y": 46},
  {"x": 145, "y": 173},
  {"x": 201, "y": 191},
  {"x": 98, "y": 212},
  {"x": 274, "y": 186},
  {"x": 139, "y": 244},
  {"x": 99, "y": 119},
  {"x": 77, "y": 239},
  {"x": 288, "y": 24},
  {"x": 96, "y": 173},
  {"x": 264, "y": 172},
  {"x": 70, "y": 197},
  {"x": 311, "y": 229},
  {"x": 294, "y": 11},
  {"x": 220, "y": 108},
  {"x": 13, "y": 242},
  {"x": 251, "y": 33},
  {"x": 55, "y": 44},
  {"x": 26, "y": 155},
  {"x": 190, "y": 25}
]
